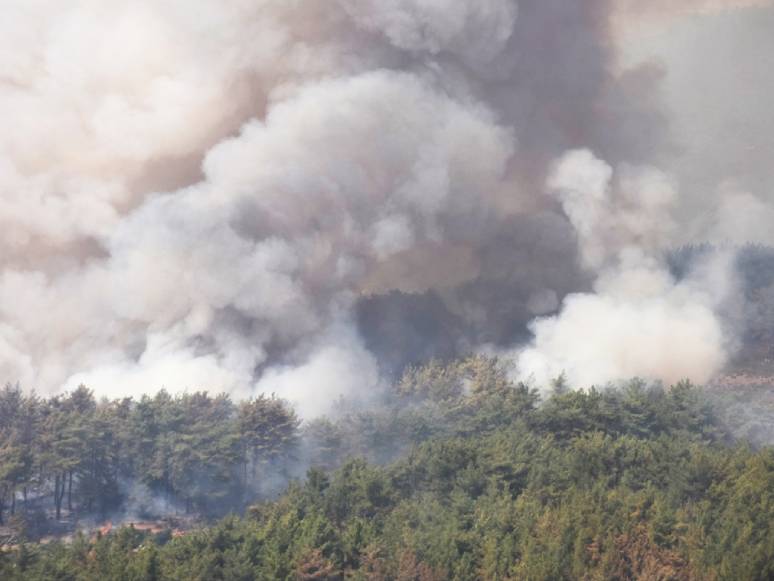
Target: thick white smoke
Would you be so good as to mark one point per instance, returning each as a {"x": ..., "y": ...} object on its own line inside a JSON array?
[
  {"x": 638, "y": 322},
  {"x": 275, "y": 241},
  {"x": 203, "y": 194}
]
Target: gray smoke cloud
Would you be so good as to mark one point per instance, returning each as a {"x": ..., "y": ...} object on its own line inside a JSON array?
[
  {"x": 715, "y": 89},
  {"x": 250, "y": 196}
]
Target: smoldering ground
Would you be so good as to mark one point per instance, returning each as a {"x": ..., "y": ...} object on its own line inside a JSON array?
[{"x": 260, "y": 196}]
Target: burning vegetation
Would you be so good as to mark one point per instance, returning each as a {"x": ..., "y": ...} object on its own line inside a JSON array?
[{"x": 421, "y": 289}]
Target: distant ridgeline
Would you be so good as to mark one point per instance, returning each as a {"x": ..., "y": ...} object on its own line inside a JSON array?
[
  {"x": 754, "y": 262},
  {"x": 460, "y": 474}
]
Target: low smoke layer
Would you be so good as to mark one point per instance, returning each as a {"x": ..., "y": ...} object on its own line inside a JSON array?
[{"x": 250, "y": 196}]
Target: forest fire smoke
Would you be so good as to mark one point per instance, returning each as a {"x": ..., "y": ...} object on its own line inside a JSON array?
[
  {"x": 639, "y": 321},
  {"x": 251, "y": 196}
]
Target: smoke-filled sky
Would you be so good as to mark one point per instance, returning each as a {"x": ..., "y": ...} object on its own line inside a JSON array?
[{"x": 301, "y": 197}]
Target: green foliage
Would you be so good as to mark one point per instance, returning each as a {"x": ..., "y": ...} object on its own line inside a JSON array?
[
  {"x": 193, "y": 450},
  {"x": 482, "y": 482}
]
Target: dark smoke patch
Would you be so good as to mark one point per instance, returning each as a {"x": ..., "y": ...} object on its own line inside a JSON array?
[{"x": 404, "y": 329}]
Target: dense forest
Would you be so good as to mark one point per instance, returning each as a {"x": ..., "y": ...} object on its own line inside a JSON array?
[
  {"x": 460, "y": 474},
  {"x": 455, "y": 473},
  {"x": 193, "y": 452},
  {"x": 401, "y": 290}
]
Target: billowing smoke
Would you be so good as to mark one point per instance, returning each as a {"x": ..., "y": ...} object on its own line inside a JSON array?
[
  {"x": 639, "y": 321},
  {"x": 260, "y": 195}
]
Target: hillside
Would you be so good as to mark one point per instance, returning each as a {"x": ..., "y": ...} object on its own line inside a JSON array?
[{"x": 464, "y": 475}]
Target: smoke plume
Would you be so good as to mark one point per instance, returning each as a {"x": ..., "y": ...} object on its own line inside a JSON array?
[
  {"x": 260, "y": 196},
  {"x": 639, "y": 321}
]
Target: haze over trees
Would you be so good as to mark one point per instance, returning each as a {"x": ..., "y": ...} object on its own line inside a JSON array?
[
  {"x": 334, "y": 204},
  {"x": 461, "y": 474},
  {"x": 192, "y": 452}
]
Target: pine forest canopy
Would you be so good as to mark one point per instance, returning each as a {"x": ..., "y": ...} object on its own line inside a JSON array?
[{"x": 460, "y": 474}]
